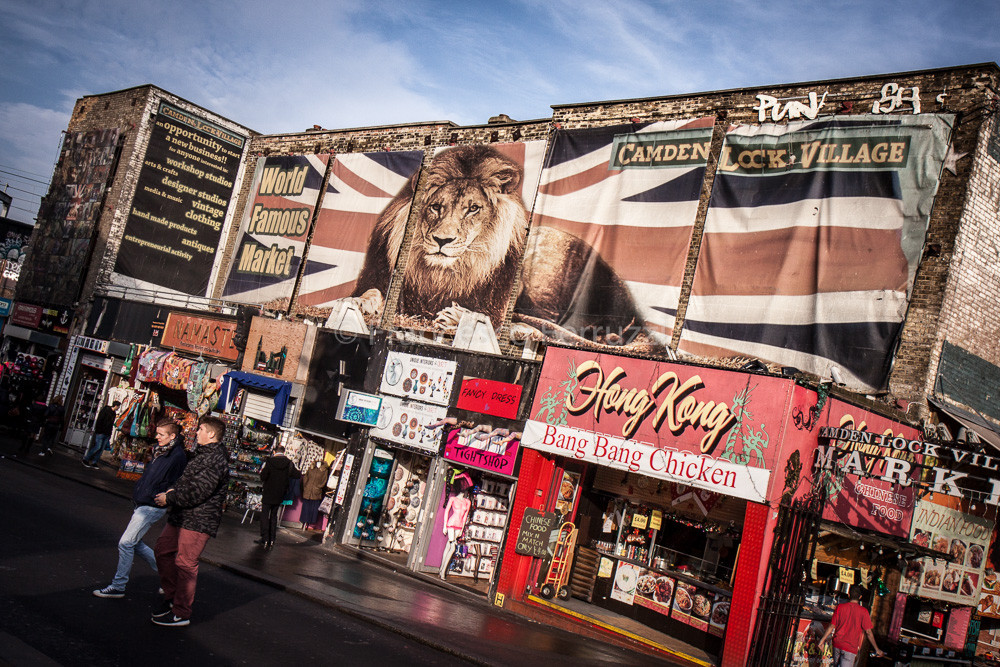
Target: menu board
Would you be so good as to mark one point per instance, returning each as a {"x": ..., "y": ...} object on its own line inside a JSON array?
[
  {"x": 964, "y": 537},
  {"x": 693, "y": 606},
  {"x": 408, "y": 423},
  {"x": 421, "y": 378},
  {"x": 688, "y": 603},
  {"x": 626, "y": 578},
  {"x": 536, "y": 530}
]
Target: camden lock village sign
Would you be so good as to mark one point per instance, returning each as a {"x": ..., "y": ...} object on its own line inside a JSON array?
[{"x": 904, "y": 462}]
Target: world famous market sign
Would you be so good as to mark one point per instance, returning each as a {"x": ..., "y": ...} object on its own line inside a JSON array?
[{"x": 701, "y": 427}]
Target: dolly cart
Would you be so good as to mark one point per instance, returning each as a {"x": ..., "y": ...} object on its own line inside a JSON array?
[{"x": 555, "y": 582}]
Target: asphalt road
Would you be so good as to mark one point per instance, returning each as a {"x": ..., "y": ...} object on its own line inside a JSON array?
[{"x": 58, "y": 541}]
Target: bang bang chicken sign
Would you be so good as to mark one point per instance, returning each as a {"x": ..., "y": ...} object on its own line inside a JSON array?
[{"x": 702, "y": 427}]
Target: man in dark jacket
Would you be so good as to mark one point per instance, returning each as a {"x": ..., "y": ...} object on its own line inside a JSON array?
[
  {"x": 103, "y": 426},
  {"x": 169, "y": 459},
  {"x": 195, "y": 511},
  {"x": 274, "y": 477}
]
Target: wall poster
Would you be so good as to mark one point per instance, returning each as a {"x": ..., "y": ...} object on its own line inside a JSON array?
[
  {"x": 180, "y": 203},
  {"x": 362, "y": 206},
  {"x": 61, "y": 243},
  {"x": 812, "y": 240},
  {"x": 274, "y": 229},
  {"x": 610, "y": 232}
]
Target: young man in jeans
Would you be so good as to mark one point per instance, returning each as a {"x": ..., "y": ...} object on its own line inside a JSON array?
[
  {"x": 195, "y": 511},
  {"x": 167, "y": 465},
  {"x": 102, "y": 434}
]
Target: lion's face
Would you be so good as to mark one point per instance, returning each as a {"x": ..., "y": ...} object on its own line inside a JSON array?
[{"x": 453, "y": 222}]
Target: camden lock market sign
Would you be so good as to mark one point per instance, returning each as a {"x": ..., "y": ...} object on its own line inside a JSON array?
[{"x": 897, "y": 460}]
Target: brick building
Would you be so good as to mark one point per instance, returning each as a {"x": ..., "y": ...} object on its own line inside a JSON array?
[{"x": 839, "y": 234}]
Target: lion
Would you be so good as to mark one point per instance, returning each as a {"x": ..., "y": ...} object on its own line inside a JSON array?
[{"x": 471, "y": 233}]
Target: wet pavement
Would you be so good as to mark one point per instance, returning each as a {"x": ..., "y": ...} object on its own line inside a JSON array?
[{"x": 416, "y": 606}]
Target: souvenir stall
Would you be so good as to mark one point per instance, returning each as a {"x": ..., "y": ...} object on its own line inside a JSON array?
[
  {"x": 316, "y": 458},
  {"x": 161, "y": 385}
]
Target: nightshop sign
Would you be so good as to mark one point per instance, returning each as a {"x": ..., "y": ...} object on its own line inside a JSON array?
[{"x": 892, "y": 459}]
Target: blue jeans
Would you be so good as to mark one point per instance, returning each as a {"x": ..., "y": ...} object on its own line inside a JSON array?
[
  {"x": 100, "y": 443},
  {"x": 131, "y": 543}
]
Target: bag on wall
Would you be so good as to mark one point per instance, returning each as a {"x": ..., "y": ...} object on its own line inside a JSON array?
[{"x": 326, "y": 505}]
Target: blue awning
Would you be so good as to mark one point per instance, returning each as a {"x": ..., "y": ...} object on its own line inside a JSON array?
[{"x": 234, "y": 380}]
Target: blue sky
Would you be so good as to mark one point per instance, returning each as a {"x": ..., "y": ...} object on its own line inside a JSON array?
[{"x": 285, "y": 66}]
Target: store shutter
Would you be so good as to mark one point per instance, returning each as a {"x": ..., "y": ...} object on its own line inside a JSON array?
[{"x": 259, "y": 406}]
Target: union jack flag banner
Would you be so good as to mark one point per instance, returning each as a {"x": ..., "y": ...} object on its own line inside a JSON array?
[
  {"x": 274, "y": 229},
  {"x": 619, "y": 204},
  {"x": 361, "y": 186},
  {"x": 812, "y": 239}
]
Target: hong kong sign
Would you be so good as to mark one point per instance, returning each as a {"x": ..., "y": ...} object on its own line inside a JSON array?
[{"x": 703, "y": 427}]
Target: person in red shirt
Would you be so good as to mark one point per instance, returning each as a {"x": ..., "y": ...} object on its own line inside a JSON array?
[{"x": 850, "y": 623}]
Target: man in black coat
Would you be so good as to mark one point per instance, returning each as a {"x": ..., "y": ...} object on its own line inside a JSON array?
[
  {"x": 275, "y": 474},
  {"x": 169, "y": 459},
  {"x": 195, "y": 511},
  {"x": 103, "y": 426}
]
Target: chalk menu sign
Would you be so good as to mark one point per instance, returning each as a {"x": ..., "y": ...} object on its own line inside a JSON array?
[
  {"x": 533, "y": 538},
  {"x": 422, "y": 379},
  {"x": 180, "y": 203}
]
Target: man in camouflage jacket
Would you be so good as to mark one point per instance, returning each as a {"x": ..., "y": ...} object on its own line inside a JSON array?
[{"x": 195, "y": 511}]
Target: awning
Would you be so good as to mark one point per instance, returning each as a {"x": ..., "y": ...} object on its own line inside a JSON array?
[
  {"x": 32, "y": 336},
  {"x": 907, "y": 549},
  {"x": 280, "y": 388},
  {"x": 970, "y": 420}
]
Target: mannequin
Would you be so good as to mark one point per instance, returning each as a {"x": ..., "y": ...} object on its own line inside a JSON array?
[{"x": 456, "y": 513}]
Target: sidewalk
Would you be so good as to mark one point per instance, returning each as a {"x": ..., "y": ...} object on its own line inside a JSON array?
[{"x": 419, "y": 607}]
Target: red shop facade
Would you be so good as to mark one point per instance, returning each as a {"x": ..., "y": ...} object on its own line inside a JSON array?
[{"x": 673, "y": 476}]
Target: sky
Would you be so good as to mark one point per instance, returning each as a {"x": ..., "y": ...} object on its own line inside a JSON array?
[{"x": 286, "y": 66}]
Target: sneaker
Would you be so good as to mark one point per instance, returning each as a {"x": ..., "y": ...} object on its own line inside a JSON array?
[
  {"x": 165, "y": 609},
  {"x": 109, "y": 592},
  {"x": 172, "y": 620}
]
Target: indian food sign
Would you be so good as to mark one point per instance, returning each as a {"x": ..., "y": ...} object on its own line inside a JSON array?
[
  {"x": 698, "y": 426},
  {"x": 962, "y": 537}
]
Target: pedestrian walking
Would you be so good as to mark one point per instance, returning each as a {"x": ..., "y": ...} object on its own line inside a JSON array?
[
  {"x": 195, "y": 511},
  {"x": 169, "y": 459},
  {"x": 850, "y": 624},
  {"x": 278, "y": 470},
  {"x": 103, "y": 426},
  {"x": 55, "y": 415},
  {"x": 31, "y": 414}
]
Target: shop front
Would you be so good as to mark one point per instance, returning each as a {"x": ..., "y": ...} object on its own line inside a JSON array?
[
  {"x": 912, "y": 521},
  {"x": 439, "y": 461},
  {"x": 646, "y": 496}
]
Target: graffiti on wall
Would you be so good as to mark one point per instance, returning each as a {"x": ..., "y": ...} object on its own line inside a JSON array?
[{"x": 771, "y": 108}]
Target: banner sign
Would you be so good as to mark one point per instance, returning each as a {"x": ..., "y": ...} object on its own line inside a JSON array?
[
  {"x": 965, "y": 538},
  {"x": 200, "y": 335},
  {"x": 611, "y": 228},
  {"x": 812, "y": 239},
  {"x": 363, "y": 189},
  {"x": 180, "y": 203},
  {"x": 60, "y": 249},
  {"x": 857, "y": 495},
  {"x": 26, "y": 315},
  {"x": 490, "y": 397},
  {"x": 408, "y": 423},
  {"x": 493, "y": 453},
  {"x": 275, "y": 228},
  {"x": 471, "y": 224},
  {"x": 421, "y": 378},
  {"x": 358, "y": 407},
  {"x": 704, "y": 427}
]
